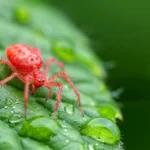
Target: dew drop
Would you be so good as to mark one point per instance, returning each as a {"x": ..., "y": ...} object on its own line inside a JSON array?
[
  {"x": 69, "y": 109},
  {"x": 91, "y": 147},
  {"x": 5, "y": 107},
  {"x": 65, "y": 132},
  {"x": 65, "y": 86},
  {"x": 14, "y": 107},
  {"x": 96, "y": 144},
  {"x": 44, "y": 125},
  {"x": 67, "y": 141},
  {"x": 16, "y": 119},
  {"x": 102, "y": 129},
  {"x": 12, "y": 111},
  {"x": 17, "y": 101}
]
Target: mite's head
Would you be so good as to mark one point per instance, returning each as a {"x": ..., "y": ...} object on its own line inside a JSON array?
[{"x": 39, "y": 79}]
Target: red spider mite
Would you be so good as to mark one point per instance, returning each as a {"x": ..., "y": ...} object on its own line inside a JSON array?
[{"x": 26, "y": 62}]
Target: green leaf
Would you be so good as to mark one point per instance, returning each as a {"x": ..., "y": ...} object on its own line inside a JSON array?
[
  {"x": 38, "y": 24},
  {"x": 8, "y": 138},
  {"x": 29, "y": 144}
]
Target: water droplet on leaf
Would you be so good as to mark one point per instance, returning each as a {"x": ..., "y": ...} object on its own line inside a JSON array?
[
  {"x": 17, "y": 101},
  {"x": 96, "y": 144},
  {"x": 14, "y": 107},
  {"x": 91, "y": 147},
  {"x": 69, "y": 109},
  {"x": 67, "y": 141},
  {"x": 16, "y": 119},
  {"x": 102, "y": 129},
  {"x": 45, "y": 126}
]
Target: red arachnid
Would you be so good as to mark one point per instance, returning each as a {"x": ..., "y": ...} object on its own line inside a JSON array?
[{"x": 26, "y": 62}]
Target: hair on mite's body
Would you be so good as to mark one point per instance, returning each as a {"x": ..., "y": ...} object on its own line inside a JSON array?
[{"x": 26, "y": 62}]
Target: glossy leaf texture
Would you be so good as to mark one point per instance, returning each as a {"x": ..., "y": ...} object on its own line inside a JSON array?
[{"x": 39, "y": 24}]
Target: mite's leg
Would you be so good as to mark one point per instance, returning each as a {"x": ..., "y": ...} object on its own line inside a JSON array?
[
  {"x": 26, "y": 91},
  {"x": 33, "y": 89},
  {"x": 60, "y": 86},
  {"x": 9, "y": 64},
  {"x": 26, "y": 95},
  {"x": 13, "y": 69},
  {"x": 8, "y": 78},
  {"x": 49, "y": 94},
  {"x": 65, "y": 75},
  {"x": 52, "y": 60}
]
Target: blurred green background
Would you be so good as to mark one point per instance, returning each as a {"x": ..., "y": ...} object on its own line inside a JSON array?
[{"x": 120, "y": 35}]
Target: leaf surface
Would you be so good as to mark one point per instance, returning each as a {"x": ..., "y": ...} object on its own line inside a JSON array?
[{"x": 40, "y": 25}]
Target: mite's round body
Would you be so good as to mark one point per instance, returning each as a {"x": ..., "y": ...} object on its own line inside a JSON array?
[
  {"x": 24, "y": 58},
  {"x": 25, "y": 62}
]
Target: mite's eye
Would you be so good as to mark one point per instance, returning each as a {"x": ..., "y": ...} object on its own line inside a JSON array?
[
  {"x": 39, "y": 80},
  {"x": 43, "y": 80}
]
